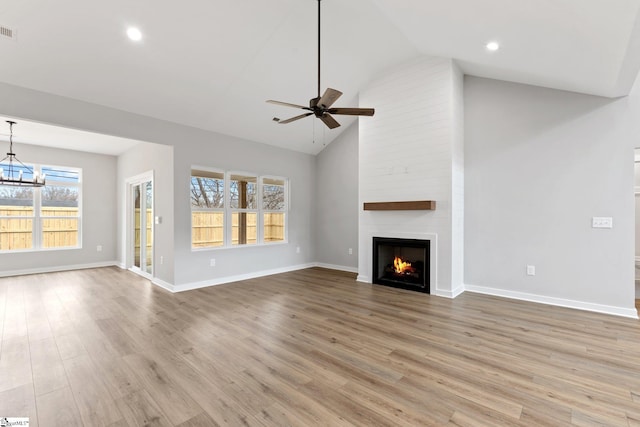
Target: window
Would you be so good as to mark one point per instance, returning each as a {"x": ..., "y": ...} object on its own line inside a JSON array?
[
  {"x": 243, "y": 194},
  {"x": 16, "y": 218},
  {"x": 273, "y": 208},
  {"x": 207, "y": 209},
  {"x": 42, "y": 218},
  {"x": 236, "y": 209},
  {"x": 60, "y": 208}
]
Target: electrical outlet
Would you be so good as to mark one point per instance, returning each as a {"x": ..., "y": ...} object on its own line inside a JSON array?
[
  {"x": 161, "y": 260},
  {"x": 531, "y": 270},
  {"x": 350, "y": 251},
  {"x": 99, "y": 248},
  {"x": 298, "y": 249},
  {"x": 212, "y": 263}
]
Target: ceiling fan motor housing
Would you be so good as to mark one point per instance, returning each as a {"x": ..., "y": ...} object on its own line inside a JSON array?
[{"x": 313, "y": 104}]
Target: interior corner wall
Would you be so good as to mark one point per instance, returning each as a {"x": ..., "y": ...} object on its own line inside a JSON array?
[
  {"x": 637, "y": 223},
  {"x": 539, "y": 164},
  {"x": 336, "y": 202},
  {"x": 457, "y": 181},
  {"x": 406, "y": 152},
  {"x": 98, "y": 217},
  {"x": 142, "y": 158}
]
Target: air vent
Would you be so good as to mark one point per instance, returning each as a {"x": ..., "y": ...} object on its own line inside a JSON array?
[{"x": 7, "y": 33}]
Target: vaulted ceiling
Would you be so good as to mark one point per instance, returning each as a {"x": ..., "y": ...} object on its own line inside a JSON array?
[{"x": 211, "y": 64}]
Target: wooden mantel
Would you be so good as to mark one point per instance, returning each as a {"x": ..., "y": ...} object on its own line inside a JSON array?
[{"x": 418, "y": 205}]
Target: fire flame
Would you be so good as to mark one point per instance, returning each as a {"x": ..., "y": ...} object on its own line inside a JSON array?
[{"x": 402, "y": 267}]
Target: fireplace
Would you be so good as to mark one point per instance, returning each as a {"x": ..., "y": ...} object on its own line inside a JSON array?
[{"x": 401, "y": 263}]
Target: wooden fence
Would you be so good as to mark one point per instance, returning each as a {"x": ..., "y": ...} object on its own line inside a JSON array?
[
  {"x": 149, "y": 235},
  {"x": 207, "y": 228},
  {"x": 61, "y": 229},
  {"x": 16, "y": 227},
  {"x": 273, "y": 227}
]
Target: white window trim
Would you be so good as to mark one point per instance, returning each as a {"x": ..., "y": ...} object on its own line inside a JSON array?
[
  {"x": 228, "y": 211},
  {"x": 80, "y": 210},
  {"x": 36, "y": 228},
  {"x": 285, "y": 210},
  {"x": 225, "y": 203}
]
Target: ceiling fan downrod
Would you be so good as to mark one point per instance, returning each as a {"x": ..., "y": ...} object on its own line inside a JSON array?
[{"x": 319, "y": 48}]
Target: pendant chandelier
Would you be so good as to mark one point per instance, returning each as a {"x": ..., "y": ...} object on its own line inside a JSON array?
[{"x": 15, "y": 173}]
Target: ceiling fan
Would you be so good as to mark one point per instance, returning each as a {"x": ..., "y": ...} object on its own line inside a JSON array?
[{"x": 320, "y": 106}]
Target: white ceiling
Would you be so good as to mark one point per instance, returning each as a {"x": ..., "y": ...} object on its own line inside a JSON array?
[
  {"x": 28, "y": 132},
  {"x": 211, "y": 64}
]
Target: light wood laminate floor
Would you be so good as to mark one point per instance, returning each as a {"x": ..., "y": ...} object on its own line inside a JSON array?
[{"x": 105, "y": 347}]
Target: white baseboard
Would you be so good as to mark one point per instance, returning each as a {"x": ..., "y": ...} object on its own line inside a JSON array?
[
  {"x": 56, "y": 268},
  {"x": 579, "y": 305},
  {"x": 364, "y": 279},
  {"x": 337, "y": 267},
  {"x": 229, "y": 279},
  {"x": 458, "y": 291},
  {"x": 449, "y": 294},
  {"x": 236, "y": 278},
  {"x": 437, "y": 292},
  {"x": 164, "y": 285}
]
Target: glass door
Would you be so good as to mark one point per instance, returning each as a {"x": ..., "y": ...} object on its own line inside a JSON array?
[{"x": 142, "y": 203}]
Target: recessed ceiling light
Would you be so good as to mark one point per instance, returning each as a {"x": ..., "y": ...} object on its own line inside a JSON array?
[
  {"x": 134, "y": 34},
  {"x": 493, "y": 46}
]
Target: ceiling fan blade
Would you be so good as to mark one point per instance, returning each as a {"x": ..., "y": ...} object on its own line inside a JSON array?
[
  {"x": 329, "y": 97},
  {"x": 329, "y": 121},
  {"x": 352, "y": 111},
  {"x": 293, "y": 119},
  {"x": 287, "y": 104}
]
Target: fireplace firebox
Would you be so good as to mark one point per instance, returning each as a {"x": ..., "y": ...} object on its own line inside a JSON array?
[{"x": 401, "y": 263}]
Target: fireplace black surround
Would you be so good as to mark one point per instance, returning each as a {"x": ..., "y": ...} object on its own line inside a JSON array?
[{"x": 401, "y": 263}]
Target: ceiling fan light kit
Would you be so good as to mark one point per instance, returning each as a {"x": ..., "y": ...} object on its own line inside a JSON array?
[{"x": 320, "y": 106}]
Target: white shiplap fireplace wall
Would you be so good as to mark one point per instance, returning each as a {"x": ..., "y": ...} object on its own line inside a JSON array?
[{"x": 412, "y": 149}]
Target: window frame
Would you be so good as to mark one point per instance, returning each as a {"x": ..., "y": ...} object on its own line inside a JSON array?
[
  {"x": 259, "y": 210},
  {"x": 284, "y": 210},
  {"x": 77, "y": 185},
  {"x": 37, "y": 231},
  {"x": 225, "y": 203},
  {"x": 31, "y": 217},
  {"x": 230, "y": 211}
]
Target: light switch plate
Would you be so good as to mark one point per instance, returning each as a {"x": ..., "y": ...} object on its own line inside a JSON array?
[{"x": 602, "y": 222}]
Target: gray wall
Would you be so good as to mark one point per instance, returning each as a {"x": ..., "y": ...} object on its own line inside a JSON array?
[
  {"x": 637, "y": 235},
  {"x": 192, "y": 147},
  {"x": 158, "y": 158},
  {"x": 539, "y": 164},
  {"x": 336, "y": 203},
  {"x": 98, "y": 212},
  {"x": 192, "y": 267},
  {"x": 637, "y": 191}
]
